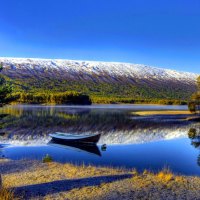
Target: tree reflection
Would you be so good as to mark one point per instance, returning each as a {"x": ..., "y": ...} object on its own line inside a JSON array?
[
  {"x": 192, "y": 133},
  {"x": 198, "y": 160},
  {"x": 194, "y": 136},
  {"x": 31, "y": 123}
]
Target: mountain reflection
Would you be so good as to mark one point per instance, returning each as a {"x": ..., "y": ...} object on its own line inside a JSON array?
[{"x": 32, "y": 124}]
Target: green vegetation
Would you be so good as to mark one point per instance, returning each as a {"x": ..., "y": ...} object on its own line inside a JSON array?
[
  {"x": 194, "y": 104},
  {"x": 5, "y": 98},
  {"x": 5, "y": 90},
  {"x": 131, "y": 100},
  {"x": 82, "y": 99},
  {"x": 100, "y": 90},
  {"x": 192, "y": 133},
  {"x": 47, "y": 159},
  {"x": 53, "y": 98}
]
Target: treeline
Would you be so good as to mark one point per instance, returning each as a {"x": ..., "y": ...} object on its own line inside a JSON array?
[
  {"x": 53, "y": 98},
  {"x": 115, "y": 100},
  {"x": 82, "y": 99}
]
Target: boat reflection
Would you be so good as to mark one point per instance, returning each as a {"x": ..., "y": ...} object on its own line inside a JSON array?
[{"x": 89, "y": 148}]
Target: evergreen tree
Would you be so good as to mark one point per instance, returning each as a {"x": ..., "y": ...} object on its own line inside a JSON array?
[
  {"x": 194, "y": 104},
  {"x": 5, "y": 90},
  {"x": 198, "y": 83}
]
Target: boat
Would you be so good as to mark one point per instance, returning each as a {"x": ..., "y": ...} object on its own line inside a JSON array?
[
  {"x": 84, "y": 147},
  {"x": 67, "y": 138}
]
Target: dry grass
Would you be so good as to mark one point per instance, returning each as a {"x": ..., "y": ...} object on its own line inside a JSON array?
[
  {"x": 163, "y": 112},
  {"x": 146, "y": 185},
  {"x": 163, "y": 185},
  {"x": 47, "y": 172},
  {"x": 6, "y": 194},
  {"x": 164, "y": 177}
]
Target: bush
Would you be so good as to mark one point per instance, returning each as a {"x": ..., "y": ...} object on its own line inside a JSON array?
[
  {"x": 192, "y": 107},
  {"x": 6, "y": 194},
  {"x": 47, "y": 159},
  {"x": 192, "y": 133}
]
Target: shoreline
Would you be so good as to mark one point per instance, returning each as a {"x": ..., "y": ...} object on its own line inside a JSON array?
[
  {"x": 31, "y": 179},
  {"x": 166, "y": 112},
  {"x": 98, "y": 105}
]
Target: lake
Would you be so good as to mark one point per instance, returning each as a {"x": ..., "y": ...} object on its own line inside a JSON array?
[{"x": 132, "y": 141}]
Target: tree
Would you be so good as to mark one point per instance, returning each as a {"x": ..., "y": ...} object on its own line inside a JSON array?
[
  {"x": 5, "y": 97},
  {"x": 5, "y": 90},
  {"x": 194, "y": 104},
  {"x": 198, "y": 83}
]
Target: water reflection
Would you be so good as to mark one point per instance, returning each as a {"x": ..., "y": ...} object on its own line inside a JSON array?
[
  {"x": 194, "y": 136},
  {"x": 178, "y": 155},
  {"x": 89, "y": 148},
  {"x": 32, "y": 124}
]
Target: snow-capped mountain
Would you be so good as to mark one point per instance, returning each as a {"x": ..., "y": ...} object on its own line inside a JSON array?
[
  {"x": 138, "y": 79},
  {"x": 92, "y": 67}
]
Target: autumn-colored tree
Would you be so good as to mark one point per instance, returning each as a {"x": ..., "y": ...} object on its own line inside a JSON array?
[{"x": 194, "y": 104}]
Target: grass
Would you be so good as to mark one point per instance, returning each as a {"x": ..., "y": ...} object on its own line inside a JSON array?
[
  {"x": 47, "y": 159},
  {"x": 51, "y": 171},
  {"x": 147, "y": 185},
  {"x": 6, "y": 194},
  {"x": 165, "y": 177}
]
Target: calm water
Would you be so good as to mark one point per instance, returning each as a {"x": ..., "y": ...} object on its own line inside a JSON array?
[{"x": 151, "y": 142}]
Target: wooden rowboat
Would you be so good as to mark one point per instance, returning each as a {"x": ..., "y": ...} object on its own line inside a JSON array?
[{"x": 66, "y": 138}]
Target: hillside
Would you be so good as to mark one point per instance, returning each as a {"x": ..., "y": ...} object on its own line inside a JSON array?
[{"x": 98, "y": 78}]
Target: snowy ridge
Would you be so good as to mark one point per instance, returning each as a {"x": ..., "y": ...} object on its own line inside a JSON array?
[{"x": 94, "y": 67}]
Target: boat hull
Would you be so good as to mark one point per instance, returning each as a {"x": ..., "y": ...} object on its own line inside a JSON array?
[{"x": 92, "y": 139}]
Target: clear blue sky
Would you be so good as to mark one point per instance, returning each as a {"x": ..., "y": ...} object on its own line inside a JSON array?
[{"x": 164, "y": 33}]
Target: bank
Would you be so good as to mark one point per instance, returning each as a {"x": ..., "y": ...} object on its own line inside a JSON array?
[{"x": 30, "y": 179}]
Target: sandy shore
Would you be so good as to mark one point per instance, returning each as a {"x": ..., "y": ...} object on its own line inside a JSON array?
[
  {"x": 37, "y": 180},
  {"x": 163, "y": 112}
]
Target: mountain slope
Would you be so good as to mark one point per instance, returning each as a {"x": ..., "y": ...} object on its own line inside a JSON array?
[{"x": 99, "y": 78}]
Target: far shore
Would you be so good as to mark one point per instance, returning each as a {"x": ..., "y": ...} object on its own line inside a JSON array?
[
  {"x": 97, "y": 104},
  {"x": 165, "y": 112}
]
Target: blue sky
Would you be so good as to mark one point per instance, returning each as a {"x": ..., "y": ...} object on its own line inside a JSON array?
[{"x": 163, "y": 33}]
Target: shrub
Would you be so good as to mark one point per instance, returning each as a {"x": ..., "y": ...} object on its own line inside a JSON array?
[
  {"x": 6, "y": 194},
  {"x": 192, "y": 133},
  {"x": 47, "y": 159}
]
